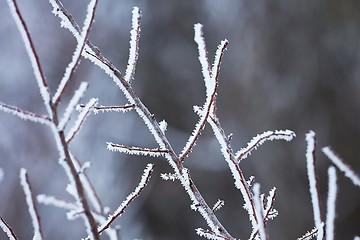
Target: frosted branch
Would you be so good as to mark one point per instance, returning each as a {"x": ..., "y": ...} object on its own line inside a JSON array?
[
  {"x": 81, "y": 41},
  {"x": 52, "y": 201},
  {"x": 330, "y": 215},
  {"x": 169, "y": 176},
  {"x": 31, "y": 205},
  {"x": 96, "y": 109},
  {"x": 7, "y": 229},
  {"x": 73, "y": 102},
  {"x": 130, "y": 198},
  {"x": 259, "y": 139},
  {"x": 219, "y": 204},
  {"x": 134, "y": 45},
  {"x": 345, "y": 168},
  {"x": 155, "y": 152},
  {"x": 80, "y": 120},
  {"x": 259, "y": 211},
  {"x": 310, "y": 159},
  {"x": 211, "y": 83},
  {"x": 25, "y": 115},
  {"x": 34, "y": 58}
]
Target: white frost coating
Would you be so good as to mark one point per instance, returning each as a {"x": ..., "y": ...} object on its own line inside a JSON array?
[
  {"x": 134, "y": 45},
  {"x": 346, "y": 169},
  {"x": 205, "y": 66},
  {"x": 31, "y": 207},
  {"x": 80, "y": 120},
  {"x": 259, "y": 211},
  {"x": 52, "y": 201},
  {"x": 163, "y": 125},
  {"x": 144, "y": 178},
  {"x": 208, "y": 234},
  {"x": 44, "y": 90},
  {"x": 310, "y": 150},
  {"x": 81, "y": 41},
  {"x": 309, "y": 235},
  {"x": 216, "y": 65},
  {"x": 25, "y": 115},
  {"x": 330, "y": 215},
  {"x": 6, "y": 228},
  {"x": 155, "y": 152},
  {"x": 73, "y": 102},
  {"x": 259, "y": 139}
]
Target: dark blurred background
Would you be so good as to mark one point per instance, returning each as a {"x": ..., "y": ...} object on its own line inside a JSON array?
[{"x": 289, "y": 65}]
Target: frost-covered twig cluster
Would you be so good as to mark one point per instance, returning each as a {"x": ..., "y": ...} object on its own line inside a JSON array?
[{"x": 260, "y": 207}]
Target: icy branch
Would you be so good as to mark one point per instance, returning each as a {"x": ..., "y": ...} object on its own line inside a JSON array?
[
  {"x": 134, "y": 45},
  {"x": 7, "y": 229},
  {"x": 25, "y": 115},
  {"x": 205, "y": 65},
  {"x": 309, "y": 235},
  {"x": 34, "y": 58},
  {"x": 130, "y": 198},
  {"x": 73, "y": 102},
  {"x": 169, "y": 176},
  {"x": 286, "y": 135},
  {"x": 310, "y": 159},
  {"x": 81, "y": 41},
  {"x": 52, "y": 201},
  {"x": 346, "y": 169},
  {"x": 31, "y": 205},
  {"x": 80, "y": 120},
  {"x": 219, "y": 204},
  {"x": 259, "y": 211},
  {"x": 155, "y": 152},
  {"x": 330, "y": 215}
]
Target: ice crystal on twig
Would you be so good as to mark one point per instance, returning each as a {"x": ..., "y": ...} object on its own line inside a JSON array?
[
  {"x": 346, "y": 169},
  {"x": 31, "y": 205},
  {"x": 209, "y": 234},
  {"x": 169, "y": 176},
  {"x": 309, "y": 235}
]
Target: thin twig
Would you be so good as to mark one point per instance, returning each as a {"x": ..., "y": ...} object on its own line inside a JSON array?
[
  {"x": 7, "y": 229},
  {"x": 26, "y": 115}
]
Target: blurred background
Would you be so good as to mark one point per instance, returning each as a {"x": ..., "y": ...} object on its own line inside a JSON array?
[{"x": 289, "y": 65}]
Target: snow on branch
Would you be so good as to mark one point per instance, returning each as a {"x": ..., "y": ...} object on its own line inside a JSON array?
[
  {"x": 80, "y": 120},
  {"x": 31, "y": 204},
  {"x": 258, "y": 140},
  {"x": 199, "y": 39},
  {"x": 130, "y": 198},
  {"x": 154, "y": 152},
  {"x": 73, "y": 102},
  {"x": 34, "y": 58},
  {"x": 25, "y": 115},
  {"x": 101, "y": 108},
  {"x": 345, "y": 168},
  {"x": 7, "y": 229},
  {"x": 134, "y": 45},
  {"x": 310, "y": 159},
  {"x": 330, "y": 214},
  {"x": 81, "y": 42}
]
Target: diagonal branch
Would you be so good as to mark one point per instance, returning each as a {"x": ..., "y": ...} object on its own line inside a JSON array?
[
  {"x": 7, "y": 229},
  {"x": 154, "y": 152}
]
